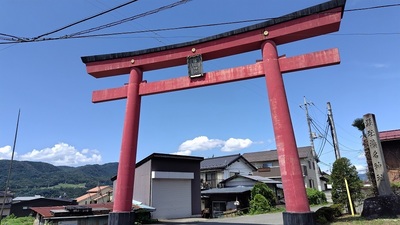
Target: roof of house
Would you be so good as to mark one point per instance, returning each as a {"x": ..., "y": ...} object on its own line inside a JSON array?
[
  {"x": 389, "y": 135},
  {"x": 7, "y": 194},
  {"x": 97, "y": 209},
  {"x": 36, "y": 197},
  {"x": 98, "y": 189},
  {"x": 48, "y": 212},
  {"x": 168, "y": 156},
  {"x": 272, "y": 155},
  {"x": 227, "y": 190},
  {"x": 163, "y": 156},
  {"x": 254, "y": 178},
  {"x": 222, "y": 162},
  {"x": 295, "y": 15}
]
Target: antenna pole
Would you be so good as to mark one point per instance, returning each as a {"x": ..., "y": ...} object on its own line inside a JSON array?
[
  {"x": 9, "y": 169},
  {"x": 315, "y": 158}
]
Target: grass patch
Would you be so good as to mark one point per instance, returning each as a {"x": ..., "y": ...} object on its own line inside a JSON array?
[
  {"x": 64, "y": 185},
  {"x": 12, "y": 220},
  {"x": 347, "y": 219}
]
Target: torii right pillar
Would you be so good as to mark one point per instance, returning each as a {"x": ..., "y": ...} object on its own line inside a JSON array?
[{"x": 297, "y": 206}]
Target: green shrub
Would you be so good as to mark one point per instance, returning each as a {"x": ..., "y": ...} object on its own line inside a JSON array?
[
  {"x": 337, "y": 209},
  {"x": 13, "y": 220},
  {"x": 315, "y": 197},
  {"x": 395, "y": 187},
  {"x": 264, "y": 190},
  {"x": 259, "y": 204},
  {"x": 327, "y": 214},
  {"x": 143, "y": 218},
  {"x": 320, "y": 218}
]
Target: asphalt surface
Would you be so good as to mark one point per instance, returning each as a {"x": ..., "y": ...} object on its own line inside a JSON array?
[{"x": 263, "y": 219}]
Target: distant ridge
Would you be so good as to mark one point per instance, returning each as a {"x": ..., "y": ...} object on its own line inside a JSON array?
[{"x": 39, "y": 178}]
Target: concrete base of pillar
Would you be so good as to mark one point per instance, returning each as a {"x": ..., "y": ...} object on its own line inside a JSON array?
[
  {"x": 121, "y": 218},
  {"x": 307, "y": 218}
]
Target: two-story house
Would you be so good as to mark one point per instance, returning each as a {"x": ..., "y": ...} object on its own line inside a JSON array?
[
  {"x": 99, "y": 194},
  {"x": 267, "y": 165},
  {"x": 216, "y": 169}
]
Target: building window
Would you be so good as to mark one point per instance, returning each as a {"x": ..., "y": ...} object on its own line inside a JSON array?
[
  {"x": 218, "y": 207},
  {"x": 305, "y": 170},
  {"x": 267, "y": 165},
  {"x": 311, "y": 182},
  {"x": 309, "y": 164}
]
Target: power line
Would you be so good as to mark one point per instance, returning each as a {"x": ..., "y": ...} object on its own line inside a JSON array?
[
  {"x": 86, "y": 19},
  {"x": 79, "y": 34},
  {"x": 118, "y": 22},
  {"x": 372, "y": 7}
]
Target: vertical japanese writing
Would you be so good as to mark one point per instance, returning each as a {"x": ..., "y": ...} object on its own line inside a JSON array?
[{"x": 378, "y": 160}]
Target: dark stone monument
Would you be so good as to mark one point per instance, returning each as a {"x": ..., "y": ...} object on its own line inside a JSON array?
[{"x": 383, "y": 206}]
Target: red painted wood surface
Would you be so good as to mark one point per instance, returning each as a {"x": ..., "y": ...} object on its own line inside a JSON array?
[
  {"x": 293, "y": 30},
  {"x": 289, "y": 162},
  {"x": 291, "y": 64},
  {"x": 127, "y": 159}
]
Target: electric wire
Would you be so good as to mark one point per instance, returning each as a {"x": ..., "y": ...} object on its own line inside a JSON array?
[
  {"x": 371, "y": 7},
  {"x": 158, "y": 36},
  {"x": 75, "y": 35},
  {"x": 129, "y": 18},
  {"x": 86, "y": 19}
]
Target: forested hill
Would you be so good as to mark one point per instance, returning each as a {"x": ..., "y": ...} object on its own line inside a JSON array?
[{"x": 39, "y": 178}]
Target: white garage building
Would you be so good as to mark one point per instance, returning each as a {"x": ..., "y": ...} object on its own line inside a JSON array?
[{"x": 169, "y": 183}]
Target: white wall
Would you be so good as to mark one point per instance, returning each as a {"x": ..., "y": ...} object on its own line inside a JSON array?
[
  {"x": 141, "y": 191},
  {"x": 237, "y": 167}
]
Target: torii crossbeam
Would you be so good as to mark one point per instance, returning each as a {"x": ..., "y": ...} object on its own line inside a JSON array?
[{"x": 314, "y": 21}]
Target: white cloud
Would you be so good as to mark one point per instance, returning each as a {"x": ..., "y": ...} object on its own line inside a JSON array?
[
  {"x": 361, "y": 168},
  {"x": 233, "y": 144},
  {"x": 202, "y": 143},
  {"x": 184, "y": 152},
  {"x": 361, "y": 156},
  {"x": 380, "y": 65},
  {"x": 6, "y": 152},
  {"x": 63, "y": 154}
]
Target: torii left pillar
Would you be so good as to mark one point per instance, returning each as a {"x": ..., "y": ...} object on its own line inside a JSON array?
[{"x": 123, "y": 197}]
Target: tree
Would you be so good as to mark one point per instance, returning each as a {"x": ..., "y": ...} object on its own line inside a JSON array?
[
  {"x": 264, "y": 190},
  {"x": 359, "y": 124},
  {"x": 342, "y": 168},
  {"x": 262, "y": 199},
  {"x": 259, "y": 204}
]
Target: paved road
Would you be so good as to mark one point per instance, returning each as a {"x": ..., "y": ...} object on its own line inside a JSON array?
[{"x": 263, "y": 219}]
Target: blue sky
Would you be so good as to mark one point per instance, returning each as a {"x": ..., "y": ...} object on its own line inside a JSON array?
[{"x": 60, "y": 125}]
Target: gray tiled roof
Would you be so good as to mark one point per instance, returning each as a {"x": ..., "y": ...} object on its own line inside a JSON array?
[
  {"x": 227, "y": 190},
  {"x": 272, "y": 155},
  {"x": 218, "y": 162}
]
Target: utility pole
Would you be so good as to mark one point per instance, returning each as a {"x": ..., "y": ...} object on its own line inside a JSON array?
[
  {"x": 9, "y": 169},
  {"x": 333, "y": 131},
  {"x": 314, "y": 155}
]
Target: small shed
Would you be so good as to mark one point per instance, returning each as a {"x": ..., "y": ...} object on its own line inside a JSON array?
[{"x": 169, "y": 183}]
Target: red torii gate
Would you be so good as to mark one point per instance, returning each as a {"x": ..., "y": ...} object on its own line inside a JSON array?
[{"x": 314, "y": 21}]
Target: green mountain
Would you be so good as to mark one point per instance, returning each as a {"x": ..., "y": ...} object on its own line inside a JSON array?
[{"x": 39, "y": 178}]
